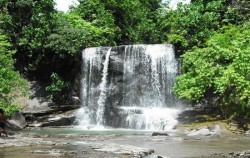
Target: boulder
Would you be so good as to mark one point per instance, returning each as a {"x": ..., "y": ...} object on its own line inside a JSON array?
[
  {"x": 247, "y": 133},
  {"x": 38, "y": 103},
  {"x": 10, "y": 127},
  {"x": 18, "y": 119},
  {"x": 41, "y": 111},
  {"x": 200, "y": 132},
  {"x": 60, "y": 119},
  {"x": 214, "y": 130},
  {"x": 160, "y": 134}
]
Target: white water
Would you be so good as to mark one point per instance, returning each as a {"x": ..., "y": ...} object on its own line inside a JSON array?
[
  {"x": 102, "y": 98},
  {"x": 152, "y": 70},
  {"x": 91, "y": 61},
  {"x": 145, "y": 101},
  {"x": 83, "y": 118},
  {"x": 151, "y": 119}
]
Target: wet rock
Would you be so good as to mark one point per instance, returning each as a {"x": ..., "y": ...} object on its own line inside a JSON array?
[
  {"x": 61, "y": 119},
  {"x": 18, "y": 119},
  {"x": 160, "y": 134},
  {"x": 155, "y": 156},
  {"x": 12, "y": 128},
  {"x": 247, "y": 133},
  {"x": 42, "y": 112},
  {"x": 38, "y": 102},
  {"x": 238, "y": 154},
  {"x": 70, "y": 153},
  {"x": 75, "y": 100},
  {"x": 52, "y": 152},
  {"x": 214, "y": 130},
  {"x": 200, "y": 132},
  {"x": 134, "y": 151}
]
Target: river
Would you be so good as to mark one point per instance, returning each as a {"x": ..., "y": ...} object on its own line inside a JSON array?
[{"x": 71, "y": 142}]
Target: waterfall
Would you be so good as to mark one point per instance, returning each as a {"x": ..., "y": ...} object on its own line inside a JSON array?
[
  {"x": 129, "y": 87},
  {"x": 151, "y": 72},
  {"x": 103, "y": 88}
]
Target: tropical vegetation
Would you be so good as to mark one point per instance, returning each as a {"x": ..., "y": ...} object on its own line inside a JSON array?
[{"x": 211, "y": 37}]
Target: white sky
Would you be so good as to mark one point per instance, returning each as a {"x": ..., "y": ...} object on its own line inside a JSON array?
[
  {"x": 63, "y": 5},
  {"x": 173, "y": 3}
]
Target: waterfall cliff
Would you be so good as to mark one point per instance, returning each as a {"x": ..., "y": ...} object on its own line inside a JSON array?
[{"x": 129, "y": 87}]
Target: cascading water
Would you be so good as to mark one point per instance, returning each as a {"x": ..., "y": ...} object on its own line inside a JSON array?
[
  {"x": 129, "y": 87},
  {"x": 103, "y": 87}
]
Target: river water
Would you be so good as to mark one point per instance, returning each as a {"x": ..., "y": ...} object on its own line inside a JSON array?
[{"x": 79, "y": 143}]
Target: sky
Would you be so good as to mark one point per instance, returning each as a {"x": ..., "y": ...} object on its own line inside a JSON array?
[
  {"x": 173, "y": 3},
  {"x": 63, "y": 5}
]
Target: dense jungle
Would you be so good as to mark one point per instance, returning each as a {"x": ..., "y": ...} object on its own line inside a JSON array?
[{"x": 211, "y": 38}]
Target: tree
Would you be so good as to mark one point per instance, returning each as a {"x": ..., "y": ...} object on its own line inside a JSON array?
[
  {"x": 132, "y": 21},
  {"x": 12, "y": 85},
  {"x": 69, "y": 37},
  {"x": 27, "y": 23},
  {"x": 191, "y": 25},
  {"x": 94, "y": 12},
  {"x": 71, "y": 34},
  {"x": 220, "y": 71}
]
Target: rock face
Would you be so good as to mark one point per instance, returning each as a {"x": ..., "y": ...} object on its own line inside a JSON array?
[
  {"x": 139, "y": 76},
  {"x": 41, "y": 112},
  {"x": 130, "y": 76},
  {"x": 38, "y": 102}
]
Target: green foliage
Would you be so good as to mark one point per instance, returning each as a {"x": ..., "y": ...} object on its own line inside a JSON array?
[
  {"x": 241, "y": 10},
  {"x": 28, "y": 23},
  {"x": 220, "y": 70},
  {"x": 56, "y": 87},
  {"x": 191, "y": 25},
  {"x": 94, "y": 11},
  {"x": 12, "y": 85},
  {"x": 48, "y": 42},
  {"x": 71, "y": 34},
  {"x": 132, "y": 21}
]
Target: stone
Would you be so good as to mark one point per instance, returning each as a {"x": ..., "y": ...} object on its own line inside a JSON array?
[
  {"x": 37, "y": 104},
  {"x": 215, "y": 130},
  {"x": 42, "y": 112},
  {"x": 10, "y": 127},
  {"x": 247, "y": 133},
  {"x": 201, "y": 132},
  {"x": 160, "y": 134},
  {"x": 123, "y": 149},
  {"x": 18, "y": 119},
  {"x": 60, "y": 119}
]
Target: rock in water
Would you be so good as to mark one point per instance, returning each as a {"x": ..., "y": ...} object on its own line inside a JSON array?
[{"x": 160, "y": 134}]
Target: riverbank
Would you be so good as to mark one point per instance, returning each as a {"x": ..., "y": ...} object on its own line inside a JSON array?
[{"x": 195, "y": 119}]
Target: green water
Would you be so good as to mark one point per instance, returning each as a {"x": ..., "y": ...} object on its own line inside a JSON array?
[{"x": 87, "y": 132}]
